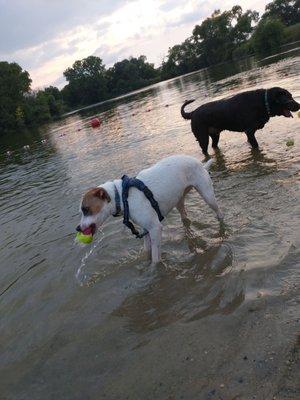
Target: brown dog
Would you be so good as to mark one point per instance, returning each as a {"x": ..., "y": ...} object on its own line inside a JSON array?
[{"x": 245, "y": 112}]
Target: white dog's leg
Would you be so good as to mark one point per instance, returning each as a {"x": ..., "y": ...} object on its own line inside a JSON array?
[
  {"x": 155, "y": 236},
  {"x": 181, "y": 208},
  {"x": 180, "y": 205},
  {"x": 147, "y": 245},
  {"x": 205, "y": 188}
]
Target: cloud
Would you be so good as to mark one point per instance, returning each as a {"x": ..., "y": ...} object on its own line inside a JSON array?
[
  {"x": 27, "y": 23},
  {"x": 110, "y": 55},
  {"x": 169, "y": 5},
  {"x": 187, "y": 18},
  {"x": 45, "y": 37},
  {"x": 60, "y": 82}
]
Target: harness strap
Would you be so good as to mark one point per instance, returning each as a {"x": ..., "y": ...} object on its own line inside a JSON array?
[
  {"x": 118, "y": 203},
  {"x": 127, "y": 183}
]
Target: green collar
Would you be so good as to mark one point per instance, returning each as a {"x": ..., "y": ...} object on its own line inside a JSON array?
[{"x": 267, "y": 103}]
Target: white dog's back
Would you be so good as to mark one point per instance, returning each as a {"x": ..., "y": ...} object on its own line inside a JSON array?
[{"x": 168, "y": 179}]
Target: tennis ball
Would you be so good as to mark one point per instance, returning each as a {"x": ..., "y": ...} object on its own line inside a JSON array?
[
  {"x": 85, "y": 239},
  {"x": 290, "y": 142},
  {"x": 298, "y": 114}
]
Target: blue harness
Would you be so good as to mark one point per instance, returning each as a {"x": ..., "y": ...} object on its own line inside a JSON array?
[{"x": 127, "y": 183}]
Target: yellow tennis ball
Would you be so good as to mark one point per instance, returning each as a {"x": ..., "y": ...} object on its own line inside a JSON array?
[
  {"x": 85, "y": 239},
  {"x": 290, "y": 142}
]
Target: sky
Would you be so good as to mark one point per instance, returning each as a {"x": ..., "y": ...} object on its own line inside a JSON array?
[{"x": 46, "y": 36}]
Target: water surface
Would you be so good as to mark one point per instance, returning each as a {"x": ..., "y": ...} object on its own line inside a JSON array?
[{"x": 95, "y": 322}]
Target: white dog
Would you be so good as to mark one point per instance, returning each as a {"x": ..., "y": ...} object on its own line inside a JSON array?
[{"x": 169, "y": 181}]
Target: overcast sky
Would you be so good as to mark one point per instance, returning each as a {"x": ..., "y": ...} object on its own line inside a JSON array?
[{"x": 47, "y": 36}]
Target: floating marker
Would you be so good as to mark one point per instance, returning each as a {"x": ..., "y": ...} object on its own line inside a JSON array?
[{"x": 95, "y": 122}]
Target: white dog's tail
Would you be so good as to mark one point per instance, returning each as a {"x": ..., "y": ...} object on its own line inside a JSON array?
[{"x": 208, "y": 164}]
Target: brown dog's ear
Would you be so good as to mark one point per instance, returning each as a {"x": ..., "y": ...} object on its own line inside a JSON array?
[{"x": 102, "y": 194}]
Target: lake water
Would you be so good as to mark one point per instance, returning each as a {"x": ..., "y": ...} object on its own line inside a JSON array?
[{"x": 216, "y": 319}]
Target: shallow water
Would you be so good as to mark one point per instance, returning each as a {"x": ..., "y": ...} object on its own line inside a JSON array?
[{"x": 95, "y": 322}]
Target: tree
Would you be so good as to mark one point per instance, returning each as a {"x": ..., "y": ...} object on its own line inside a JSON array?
[
  {"x": 55, "y": 101},
  {"x": 214, "y": 36},
  {"x": 219, "y": 35},
  {"x": 181, "y": 59},
  {"x": 14, "y": 84},
  {"x": 87, "y": 82},
  {"x": 42, "y": 106},
  {"x": 287, "y": 11},
  {"x": 36, "y": 108},
  {"x": 19, "y": 106},
  {"x": 214, "y": 41},
  {"x": 242, "y": 24},
  {"x": 268, "y": 36},
  {"x": 130, "y": 74}
]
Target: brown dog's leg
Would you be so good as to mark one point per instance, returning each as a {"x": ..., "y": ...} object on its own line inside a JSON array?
[
  {"x": 251, "y": 139},
  {"x": 202, "y": 136},
  {"x": 215, "y": 140},
  {"x": 203, "y": 141}
]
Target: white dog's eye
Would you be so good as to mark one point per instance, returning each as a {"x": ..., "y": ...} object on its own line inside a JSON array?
[{"x": 85, "y": 211}]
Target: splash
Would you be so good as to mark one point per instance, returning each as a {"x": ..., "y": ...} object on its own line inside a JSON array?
[{"x": 80, "y": 275}]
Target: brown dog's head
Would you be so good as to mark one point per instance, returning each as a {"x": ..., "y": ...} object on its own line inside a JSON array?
[
  {"x": 94, "y": 209},
  {"x": 281, "y": 102}
]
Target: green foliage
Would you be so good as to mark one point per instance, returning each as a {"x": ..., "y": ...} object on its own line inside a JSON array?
[
  {"x": 220, "y": 34},
  {"x": 232, "y": 35},
  {"x": 19, "y": 106},
  {"x": 242, "y": 24},
  {"x": 14, "y": 83},
  {"x": 212, "y": 42},
  {"x": 55, "y": 101},
  {"x": 268, "y": 36},
  {"x": 287, "y": 11},
  {"x": 87, "y": 82},
  {"x": 37, "y": 108},
  {"x": 181, "y": 59},
  {"x": 243, "y": 50},
  {"x": 130, "y": 74},
  {"x": 42, "y": 106},
  {"x": 213, "y": 37},
  {"x": 292, "y": 33}
]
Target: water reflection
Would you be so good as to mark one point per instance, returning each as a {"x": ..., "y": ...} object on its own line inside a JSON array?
[
  {"x": 190, "y": 291},
  {"x": 220, "y": 163},
  {"x": 207, "y": 270}
]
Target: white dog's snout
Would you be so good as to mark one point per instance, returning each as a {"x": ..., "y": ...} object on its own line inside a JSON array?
[{"x": 86, "y": 222}]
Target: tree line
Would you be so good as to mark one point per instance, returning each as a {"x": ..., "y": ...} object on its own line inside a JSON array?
[{"x": 225, "y": 36}]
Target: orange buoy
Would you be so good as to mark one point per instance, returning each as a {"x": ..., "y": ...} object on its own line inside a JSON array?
[{"x": 95, "y": 122}]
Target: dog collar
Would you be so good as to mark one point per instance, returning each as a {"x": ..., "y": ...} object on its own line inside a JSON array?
[
  {"x": 267, "y": 103},
  {"x": 118, "y": 203}
]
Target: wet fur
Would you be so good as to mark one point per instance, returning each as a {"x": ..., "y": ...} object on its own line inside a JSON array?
[
  {"x": 245, "y": 112},
  {"x": 169, "y": 180}
]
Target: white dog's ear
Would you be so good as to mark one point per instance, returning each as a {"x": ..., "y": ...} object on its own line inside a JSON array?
[{"x": 102, "y": 194}]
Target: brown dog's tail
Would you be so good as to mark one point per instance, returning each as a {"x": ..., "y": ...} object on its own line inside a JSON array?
[{"x": 186, "y": 115}]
